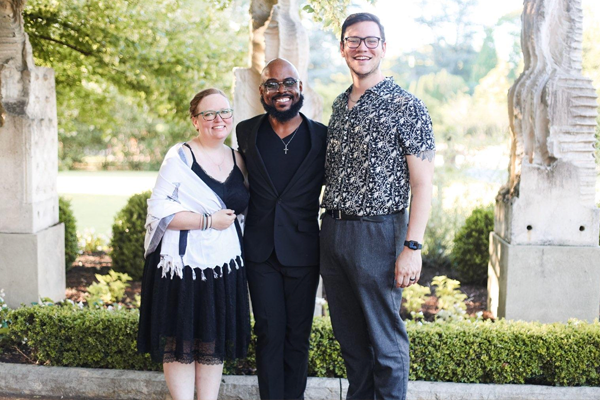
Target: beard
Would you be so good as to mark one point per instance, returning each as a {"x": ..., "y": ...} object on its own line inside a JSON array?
[{"x": 283, "y": 116}]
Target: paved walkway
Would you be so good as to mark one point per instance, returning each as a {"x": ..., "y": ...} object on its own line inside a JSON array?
[{"x": 27, "y": 381}]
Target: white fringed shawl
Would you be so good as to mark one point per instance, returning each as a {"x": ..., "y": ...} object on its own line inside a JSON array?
[{"x": 177, "y": 189}]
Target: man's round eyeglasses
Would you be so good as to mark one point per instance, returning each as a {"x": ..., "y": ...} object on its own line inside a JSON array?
[
  {"x": 273, "y": 86},
  {"x": 210, "y": 115},
  {"x": 353, "y": 42}
]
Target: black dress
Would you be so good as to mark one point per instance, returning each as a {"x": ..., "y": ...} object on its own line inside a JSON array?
[{"x": 186, "y": 319}]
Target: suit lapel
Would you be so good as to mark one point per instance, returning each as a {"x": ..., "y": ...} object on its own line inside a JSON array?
[
  {"x": 312, "y": 153},
  {"x": 255, "y": 154}
]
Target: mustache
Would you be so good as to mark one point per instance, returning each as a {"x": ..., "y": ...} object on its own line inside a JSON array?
[{"x": 279, "y": 96}]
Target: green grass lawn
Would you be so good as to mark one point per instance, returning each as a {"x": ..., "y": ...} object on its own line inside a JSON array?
[
  {"x": 94, "y": 211},
  {"x": 97, "y": 196}
]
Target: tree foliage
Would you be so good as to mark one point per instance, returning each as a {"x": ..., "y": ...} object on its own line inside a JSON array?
[
  {"x": 126, "y": 69},
  {"x": 330, "y": 13}
]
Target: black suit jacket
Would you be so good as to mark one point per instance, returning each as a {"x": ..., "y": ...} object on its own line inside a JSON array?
[{"x": 288, "y": 221}]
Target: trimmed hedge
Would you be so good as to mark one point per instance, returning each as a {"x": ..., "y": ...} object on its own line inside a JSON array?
[
  {"x": 459, "y": 351},
  {"x": 66, "y": 216},
  {"x": 128, "y": 233}
]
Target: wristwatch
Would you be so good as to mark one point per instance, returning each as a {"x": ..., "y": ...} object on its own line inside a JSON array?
[{"x": 413, "y": 244}]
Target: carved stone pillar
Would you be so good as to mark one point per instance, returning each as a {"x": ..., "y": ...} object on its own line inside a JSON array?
[
  {"x": 544, "y": 262},
  {"x": 276, "y": 32},
  {"x": 32, "y": 261}
]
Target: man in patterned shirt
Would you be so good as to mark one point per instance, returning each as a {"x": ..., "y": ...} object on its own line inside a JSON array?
[{"x": 380, "y": 147}]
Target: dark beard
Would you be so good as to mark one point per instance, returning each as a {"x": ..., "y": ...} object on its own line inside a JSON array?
[{"x": 284, "y": 116}]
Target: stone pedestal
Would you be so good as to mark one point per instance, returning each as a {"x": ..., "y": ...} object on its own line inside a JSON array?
[
  {"x": 544, "y": 253},
  {"x": 32, "y": 259},
  {"x": 543, "y": 283},
  {"x": 32, "y": 265}
]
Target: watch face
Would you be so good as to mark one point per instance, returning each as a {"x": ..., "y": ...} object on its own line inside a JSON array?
[{"x": 411, "y": 244}]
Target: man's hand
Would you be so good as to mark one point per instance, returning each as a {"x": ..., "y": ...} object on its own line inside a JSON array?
[{"x": 408, "y": 265}]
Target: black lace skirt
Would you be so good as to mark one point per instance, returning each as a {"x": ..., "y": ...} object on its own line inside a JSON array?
[{"x": 187, "y": 319}]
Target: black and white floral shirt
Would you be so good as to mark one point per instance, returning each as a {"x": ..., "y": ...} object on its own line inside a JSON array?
[{"x": 366, "y": 172}]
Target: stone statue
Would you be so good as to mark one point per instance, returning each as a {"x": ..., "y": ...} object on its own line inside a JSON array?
[
  {"x": 32, "y": 263},
  {"x": 547, "y": 204},
  {"x": 552, "y": 115},
  {"x": 276, "y": 32}
]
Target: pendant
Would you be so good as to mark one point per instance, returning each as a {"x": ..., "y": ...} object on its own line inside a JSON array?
[{"x": 285, "y": 149}]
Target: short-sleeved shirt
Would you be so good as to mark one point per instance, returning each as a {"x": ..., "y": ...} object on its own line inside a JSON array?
[{"x": 366, "y": 172}]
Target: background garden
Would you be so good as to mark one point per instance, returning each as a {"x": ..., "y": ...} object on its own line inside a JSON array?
[{"x": 125, "y": 71}]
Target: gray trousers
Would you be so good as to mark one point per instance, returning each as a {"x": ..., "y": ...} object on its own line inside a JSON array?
[{"x": 357, "y": 264}]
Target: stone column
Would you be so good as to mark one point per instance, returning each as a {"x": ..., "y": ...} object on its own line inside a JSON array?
[
  {"x": 32, "y": 260},
  {"x": 544, "y": 253},
  {"x": 276, "y": 32}
]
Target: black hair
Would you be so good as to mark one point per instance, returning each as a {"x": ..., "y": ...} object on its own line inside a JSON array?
[{"x": 361, "y": 17}]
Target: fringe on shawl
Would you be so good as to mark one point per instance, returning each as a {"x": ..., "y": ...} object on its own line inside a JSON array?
[{"x": 173, "y": 266}]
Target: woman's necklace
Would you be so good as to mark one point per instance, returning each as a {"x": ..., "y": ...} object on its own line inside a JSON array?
[
  {"x": 210, "y": 158},
  {"x": 285, "y": 145}
]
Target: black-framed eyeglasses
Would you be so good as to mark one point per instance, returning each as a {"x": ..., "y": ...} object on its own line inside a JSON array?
[
  {"x": 273, "y": 86},
  {"x": 353, "y": 42},
  {"x": 210, "y": 115}
]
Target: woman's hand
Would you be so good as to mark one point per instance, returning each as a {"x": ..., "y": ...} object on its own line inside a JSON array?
[{"x": 222, "y": 219}]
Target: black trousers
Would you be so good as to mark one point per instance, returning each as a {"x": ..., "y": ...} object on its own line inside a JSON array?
[{"x": 283, "y": 302}]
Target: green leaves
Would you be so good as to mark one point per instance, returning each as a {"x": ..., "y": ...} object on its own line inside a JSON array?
[
  {"x": 109, "y": 288},
  {"x": 470, "y": 254},
  {"x": 125, "y": 67},
  {"x": 456, "y": 351},
  {"x": 128, "y": 234},
  {"x": 66, "y": 216}
]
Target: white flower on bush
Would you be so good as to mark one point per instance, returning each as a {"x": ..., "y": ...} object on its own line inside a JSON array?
[{"x": 90, "y": 242}]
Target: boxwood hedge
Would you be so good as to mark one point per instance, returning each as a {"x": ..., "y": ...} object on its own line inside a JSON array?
[{"x": 457, "y": 351}]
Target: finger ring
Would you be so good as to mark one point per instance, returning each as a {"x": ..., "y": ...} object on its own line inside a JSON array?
[{"x": 412, "y": 279}]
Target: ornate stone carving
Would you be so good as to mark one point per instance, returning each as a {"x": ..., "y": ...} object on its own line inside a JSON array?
[
  {"x": 28, "y": 133},
  {"x": 32, "y": 263},
  {"x": 276, "y": 32},
  {"x": 549, "y": 198}
]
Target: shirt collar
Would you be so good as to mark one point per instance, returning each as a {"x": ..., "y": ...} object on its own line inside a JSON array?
[{"x": 386, "y": 82}]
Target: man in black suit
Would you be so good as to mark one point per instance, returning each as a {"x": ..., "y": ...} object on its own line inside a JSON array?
[{"x": 285, "y": 156}]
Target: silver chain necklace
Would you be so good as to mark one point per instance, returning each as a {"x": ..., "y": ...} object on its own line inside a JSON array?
[{"x": 285, "y": 145}]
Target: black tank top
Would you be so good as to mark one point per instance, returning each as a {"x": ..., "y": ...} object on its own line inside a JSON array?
[{"x": 232, "y": 191}]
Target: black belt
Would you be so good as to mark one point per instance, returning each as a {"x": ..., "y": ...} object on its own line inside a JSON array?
[{"x": 338, "y": 214}]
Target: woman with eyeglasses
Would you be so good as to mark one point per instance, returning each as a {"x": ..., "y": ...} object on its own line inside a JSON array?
[{"x": 194, "y": 312}]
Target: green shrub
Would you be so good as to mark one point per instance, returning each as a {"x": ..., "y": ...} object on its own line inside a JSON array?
[
  {"x": 91, "y": 242},
  {"x": 69, "y": 336},
  {"x": 109, "y": 288},
  {"x": 450, "y": 298},
  {"x": 65, "y": 215},
  {"x": 470, "y": 253},
  {"x": 128, "y": 236},
  {"x": 324, "y": 357},
  {"x": 415, "y": 295},
  {"x": 506, "y": 352},
  {"x": 455, "y": 351}
]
